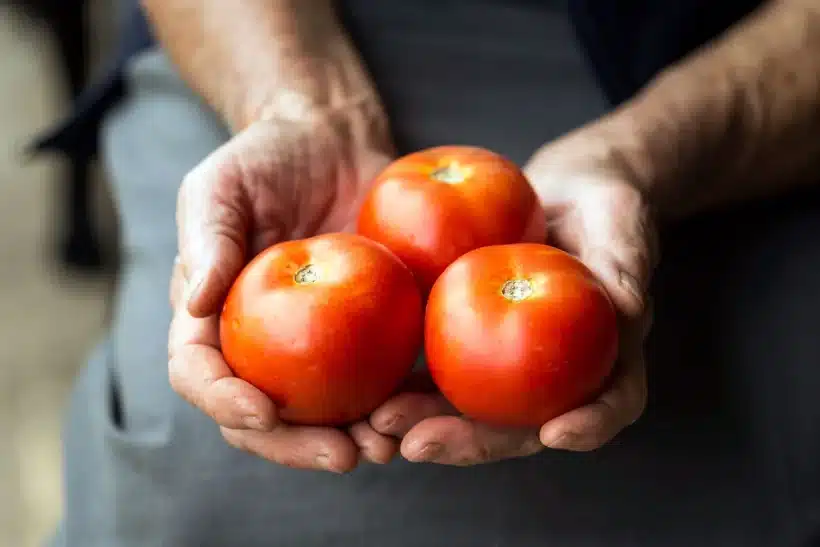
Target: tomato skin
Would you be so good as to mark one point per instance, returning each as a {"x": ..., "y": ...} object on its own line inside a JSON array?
[
  {"x": 429, "y": 223},
  {"x": 519, "y": 363},
  {"x": 327, "y": 352}
]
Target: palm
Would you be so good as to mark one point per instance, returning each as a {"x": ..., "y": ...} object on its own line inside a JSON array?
[
  {"x": 297, "y": 179},
  {"x": 588, "y": 223},
  {"x": 274, "y": 181},
  {"x": 595, "y": 211}
]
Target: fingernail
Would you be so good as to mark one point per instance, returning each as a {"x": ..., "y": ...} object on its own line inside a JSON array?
[
  {"x": 323, "y": 461},
  {"x": 430, "y": 452},
  {"x": 254, "y": 422}
]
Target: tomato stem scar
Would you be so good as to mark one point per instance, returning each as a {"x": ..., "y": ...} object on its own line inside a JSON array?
[
  {"x": 306, "y": 275},
  {"x": 452, "y": 173},
  {"x": 516, "y": 290}
]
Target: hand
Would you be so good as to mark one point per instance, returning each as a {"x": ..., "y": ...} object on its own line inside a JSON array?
[
  {"x": 278, "y": 179},
  {"x": 594, "y": 210}
]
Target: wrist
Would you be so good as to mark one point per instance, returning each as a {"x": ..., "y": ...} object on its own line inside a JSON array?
[
  {"x": 246, "y": 57},
  {"x": 621, "y": 145},
  {"x": 725, "y": 122},
  {"x": 311, "y": 79},
  {"x": 670, "y": 136}
]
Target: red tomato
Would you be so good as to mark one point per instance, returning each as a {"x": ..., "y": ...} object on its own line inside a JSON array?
[
  {"x": 518, "y": 334},
  {"x": 327, "y": 327},
  {"x": 433, "y": 206}
]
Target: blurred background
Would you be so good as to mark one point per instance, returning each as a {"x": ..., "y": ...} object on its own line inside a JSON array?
[{"x": 54, "y": 287}]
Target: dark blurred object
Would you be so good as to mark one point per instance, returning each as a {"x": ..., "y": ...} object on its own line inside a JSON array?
[{"x": 80, "y": 247}]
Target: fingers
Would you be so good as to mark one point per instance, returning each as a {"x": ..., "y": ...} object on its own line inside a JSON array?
[
  {"x": 373, "y": 446},
  {"x": 625, "y": 275},
  {"x": 401, "y": 413},
  {"x": 622, "y": 250},
  {"x": 324, "y": 449},
  {"x": 199, "y": 374},
  {"x": 432, "y": 431},
  {"x": 452, "y": 440},
  {"x": 592, "y": 426},
  {"x": 248, "y": 417},
  {"x": 622, "y": 253}
]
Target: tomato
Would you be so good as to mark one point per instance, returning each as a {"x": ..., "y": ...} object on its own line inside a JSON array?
[
  {"x": 433, "y": 206},
  {"x": 327, "y": 327},
  {"x": 516, "y": 335}
]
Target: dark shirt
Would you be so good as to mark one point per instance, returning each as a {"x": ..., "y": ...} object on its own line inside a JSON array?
[{"x": 627, "y": 42}]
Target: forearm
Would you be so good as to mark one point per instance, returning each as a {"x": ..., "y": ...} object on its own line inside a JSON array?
[
  {"x": 254, "y": 58},
  {"x": 738, "y": 119}
]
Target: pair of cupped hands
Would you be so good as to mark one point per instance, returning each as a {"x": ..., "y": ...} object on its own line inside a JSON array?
[{"x": 288, "y": 178}]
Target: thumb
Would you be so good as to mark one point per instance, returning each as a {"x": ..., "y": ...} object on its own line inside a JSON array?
[
  {"x": 213, "y": 215},
  {"x": 621, "y": 255},
  {"x": 622, "y": 277}
]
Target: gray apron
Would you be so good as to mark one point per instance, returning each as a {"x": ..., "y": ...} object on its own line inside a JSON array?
[{"x": 727, "y": 454}]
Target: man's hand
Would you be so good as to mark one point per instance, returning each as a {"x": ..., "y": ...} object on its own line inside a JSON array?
[
  {"x": 278, "y": 179},
  {"x": 595, "y": 210}
]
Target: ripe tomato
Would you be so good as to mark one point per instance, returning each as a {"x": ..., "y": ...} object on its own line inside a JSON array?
[
  {"x": 433, "y": 206},
  {"x": 327, "y": 327},
  {"x": 516, "y": 335}
]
